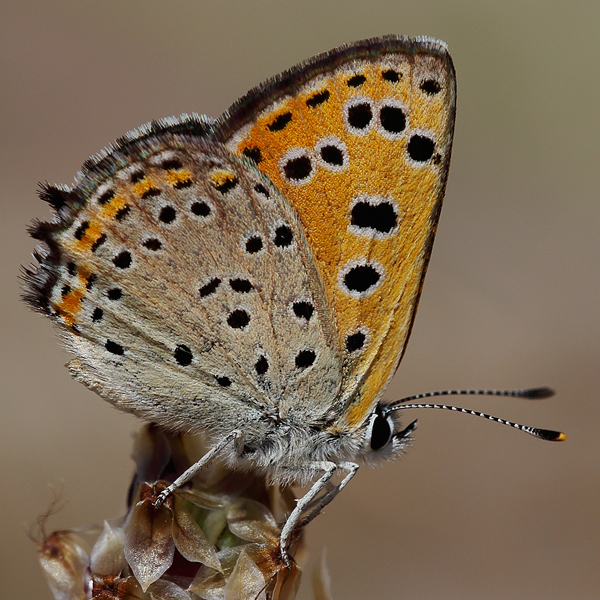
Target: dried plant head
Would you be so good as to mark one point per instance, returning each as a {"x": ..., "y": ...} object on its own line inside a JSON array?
[{"x": 215, "y": 539}]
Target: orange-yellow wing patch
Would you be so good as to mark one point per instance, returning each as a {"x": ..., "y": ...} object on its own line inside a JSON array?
[{"x": 359, "y": 142}]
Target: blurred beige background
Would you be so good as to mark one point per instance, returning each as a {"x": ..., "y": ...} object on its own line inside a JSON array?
[{"x": 474, "y": 510}]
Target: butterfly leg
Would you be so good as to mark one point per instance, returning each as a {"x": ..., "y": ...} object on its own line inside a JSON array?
[
  {"x": 311, "y": 502},
  {"x": 318, "y": 504},
  {"x": 197, "y": 466}
]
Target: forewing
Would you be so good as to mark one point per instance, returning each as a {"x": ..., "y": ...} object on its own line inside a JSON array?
[{"x": 359, "y": 141}]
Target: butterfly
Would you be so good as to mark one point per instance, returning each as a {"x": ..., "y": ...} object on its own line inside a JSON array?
[{"x": 255, "y": 278}]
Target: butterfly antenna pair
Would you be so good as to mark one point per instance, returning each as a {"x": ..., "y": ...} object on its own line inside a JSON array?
[{"x": 528, "y": 394}]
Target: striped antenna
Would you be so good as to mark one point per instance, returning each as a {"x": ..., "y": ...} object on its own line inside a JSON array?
[{"x": 529, "y": 394}]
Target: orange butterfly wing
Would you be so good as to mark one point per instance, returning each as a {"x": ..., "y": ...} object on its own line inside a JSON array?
[{"x": 359, "y": 140}]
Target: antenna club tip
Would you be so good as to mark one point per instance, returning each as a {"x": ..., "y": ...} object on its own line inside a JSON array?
[
  {"x": 538, "y": 393},
  {"x": 550, "y": 436}
]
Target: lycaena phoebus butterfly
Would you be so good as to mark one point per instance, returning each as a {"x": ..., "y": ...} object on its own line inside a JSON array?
[{"x": 255, "y": 277}]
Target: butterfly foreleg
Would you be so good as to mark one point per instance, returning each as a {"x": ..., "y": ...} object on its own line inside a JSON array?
[
  {"x": 198, "y": 465},
  {"x": 312, "y": 502}
]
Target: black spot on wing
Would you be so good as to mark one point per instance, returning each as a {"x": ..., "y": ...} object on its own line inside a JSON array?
[
  {"x": 392, "y": 119},
  {"x": 356, "y": 81},
  {"x": 305, "y": 358},
  {"x": 261, "y": 366},
  {"x": 360, "y": 115},
  {"x": 114, "y": 348},
  {"x": 379, "y": 217},
  {"x": 303, "y": 309},
  {"x": 318, "y": 99},
  {"x": 238, "y": 319},
  {"x": 122, "y": 260},
  {"x": 297, "y": 169},
  {"x": 280, "y": 122},
  {"x": 332, "y": 155},
  {"x": 431, "y": 87},
  {"x": 254, "y": 244},
  {"x": 355, "y": 341},
  {"x": 183, "y": 355},
  {"x": 254, "y": 154},
  {"x": 361, "y": 278},
  {"x": 167, "y": 214},
  {"x": 391, "y": 75},
  {"x": 210, "y": 287},
  {"x": 283, "y": 236},
  {"x": 200, "y": 209},
  {"x": 420, "y": 148}
]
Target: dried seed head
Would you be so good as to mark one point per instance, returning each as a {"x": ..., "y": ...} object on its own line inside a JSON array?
[{"x": 218, "y": 538}]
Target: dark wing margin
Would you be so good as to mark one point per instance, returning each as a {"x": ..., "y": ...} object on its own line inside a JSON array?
[{"x": 291, "y": 80}]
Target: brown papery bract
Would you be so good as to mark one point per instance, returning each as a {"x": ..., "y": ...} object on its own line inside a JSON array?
[{"x": 215, "y": 540}]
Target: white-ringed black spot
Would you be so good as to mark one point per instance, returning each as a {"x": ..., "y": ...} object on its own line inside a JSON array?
[
  {"x": 431, "y": 87},
  {"x": 238, "y": 319},
  {"x": 261, "y": 189},
  {"x": 359, "y": 115},
  {"x": 71, "y": 268},
  {"x": 254, "y": 244},
  {"x": 167, "y": 214},
  {"x": 283, "y": 236},
  {"x": 392, "y": 119},
  {"x": 183, "y": 355},
  {"x": 137, "y": 176},
  {"x": 332, "y": 155},
  {"x": 152, "y": 244},
  {"x": 298, "y": 168},
  {"x": 303, "y": 309},
  {"x": 242, "y": 286},
  {"x": 200, "y": 209},
  {"x": 280, "y": 122},
  {"x": 114, "y": 348},
  {"x": 122, "y": 213},
  {"x": 65, "y": 291},
  {"x": 391, "y": 75},
  {"x": 114, "y": 294},
  {"x": 305, "y": 359},
  {"x": 318, "y": 99},
  {"x": 355, "y": 341},
  {"x": 261, "y": 366},
  {"x": 98, "y": 242},
  {"x": 80, "y": 231},
  {"x": 122, "y": 260},
  {"x": 97, "y": 314},
  {"x": 223, "y": 381},
  {"x": 171, "y": 163},
  {"x": 210, "y": 287},
  {"x": 360, "y": 278},
  {"x": 373, "y": 215},
  {"x": 356, "y": 81},
  {"x": 420, "y": 148},
  {"x": 106, "y": 197},
  {"x": 254, "y": 154}
]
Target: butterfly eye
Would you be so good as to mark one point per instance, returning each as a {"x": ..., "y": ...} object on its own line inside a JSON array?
[{"x": 381, "y": 432}]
